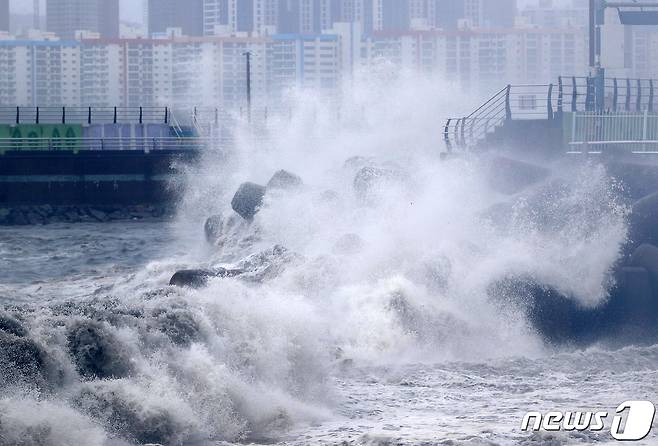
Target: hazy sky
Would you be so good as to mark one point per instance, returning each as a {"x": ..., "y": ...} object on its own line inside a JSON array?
[{"x": 131, "y": 10}]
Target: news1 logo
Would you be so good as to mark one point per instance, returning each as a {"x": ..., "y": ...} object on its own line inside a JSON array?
[{"x": 631, "y": 421}]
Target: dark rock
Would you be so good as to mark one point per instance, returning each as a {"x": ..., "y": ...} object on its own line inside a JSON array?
[
  {"x": 406, "y": 314},
  {"x": 10, "y": 325},
  {"x": 330, "y": 197},
  {"x": 45, "y": 214},
  {"x": 646, "y": 256},
  {"x": 18, "y": 218},
  {"x": 266, "y": 264},
  {"x": 96, "y": 352},
  {"x": 140, "y": 215},
  {"x": 159, "y": 212},
  {"x": 369, "y": 179},
  {"x": 117, "y": 215},
  {"x": 98, "y": 215},
  {"x": 284, "y": 180},
  {"x": 47, "y": 210},
  {"x": 198, "y": 278},
  {"x": 510, "y": 176},
  {"x": 556, "y": 317},
  {"x": 248, "y": 199},
  {"x": 213, "y": 228},
  {"x": 23, "y": 362},
  {"x": 179, "y": 326},
  {"x": 639, "y": 177},
  {"x": 72, "y": 216},
  {"x": 633, "y": 301},
  {"x": 630, "y": 314},
  {"x": 643, "y": 221},
  {"x": 499, "y": 214},
  {"x": 128, "y": 418},
  {"x": 357, "y": 162},
  {"x": 543, "y": 207},
  {"x": 434, "y": 272},
  {"x": 193, "y": 278}
]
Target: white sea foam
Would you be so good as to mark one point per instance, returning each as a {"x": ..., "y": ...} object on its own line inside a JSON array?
[{"x": 397, "y": 273}]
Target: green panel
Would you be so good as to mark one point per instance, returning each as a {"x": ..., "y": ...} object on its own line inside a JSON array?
[
  {"x": 52, "y": 136},
  {"x": 26, "y": 131},
  {"x": 58, "y": 132},
  {"x": 5, "y": 131}
]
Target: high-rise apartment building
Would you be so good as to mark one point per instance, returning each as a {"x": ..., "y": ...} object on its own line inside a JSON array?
[
  {"x": 490, "y": 13},
  {"x": 216, "y": 17},
  {"x": 391, "y": 15},
  {"x": 241, "y": 16},
  {"x": 39, "y": 72},
  {"x": 374, "y": 15},
  {"x": 65, "y": 17},
  {"x": 306, "y": 16},
  {"x": 266, "y": 16},
  {"x": 4, "y": 15},
  {"x": 184, "y": 14}
]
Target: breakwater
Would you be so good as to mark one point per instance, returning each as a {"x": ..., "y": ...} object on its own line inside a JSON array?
[
  {"x": 46, "y": 214},
  {"x": 41, "y": 186}
]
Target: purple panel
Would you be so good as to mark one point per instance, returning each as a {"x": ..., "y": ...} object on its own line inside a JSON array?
[
  {"x": 111, "y": 131},
  {"x": 157, "y": 130},
  {"x": 139, "y": 131},
  {"x": 93, "y": 131}
]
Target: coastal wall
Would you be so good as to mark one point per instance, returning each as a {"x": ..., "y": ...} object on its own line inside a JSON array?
[{"x": 114, "y": 182}]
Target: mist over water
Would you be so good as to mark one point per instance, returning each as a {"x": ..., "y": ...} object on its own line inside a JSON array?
[{"x": 376, "y": 273}]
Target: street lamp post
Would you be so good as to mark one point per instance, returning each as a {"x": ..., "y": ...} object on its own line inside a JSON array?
[{"x": 638, "y": 16}]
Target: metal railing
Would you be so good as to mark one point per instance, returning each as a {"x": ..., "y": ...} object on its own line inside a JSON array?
[
  {"x": 591, "y": 132},
  {"x": 85, "y": 115},
  {"x": 99, "y": 144},
  {"x": 549, "y": 101},
  {"x": 512, "y": 102},
  {"x": 629, "y": 95}
]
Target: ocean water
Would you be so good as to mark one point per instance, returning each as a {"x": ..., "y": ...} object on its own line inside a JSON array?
[
  {"x": 368, "y": 311},
  {"x": 242, "y": 379}
]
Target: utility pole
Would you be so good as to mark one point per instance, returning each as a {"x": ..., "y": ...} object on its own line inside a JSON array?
[
  {"x": 248, "y": 56},
  {"x": 592, "y": 35},
  {"x": 597, "y": 73}
]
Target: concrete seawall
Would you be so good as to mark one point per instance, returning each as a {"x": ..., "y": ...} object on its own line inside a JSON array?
[{"x": 38, "y": 187}]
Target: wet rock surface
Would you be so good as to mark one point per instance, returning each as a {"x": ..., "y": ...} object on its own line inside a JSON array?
[
  {"x": 257, "y": 267},
  {"x": 47, "y": 214},
  {"x": 198, "y": 278},
  {"x": 284, "y": 180},
  {"x": 130, "y": 418},
  {"x": 248, "y": 199},
  {"x": 509, "y": 176},
  {"x": 96, "y": 352},
  {"x": 371, "y": 179},
  {"x": 11, "y": 325},
  {"x": 23, "y": 362}
]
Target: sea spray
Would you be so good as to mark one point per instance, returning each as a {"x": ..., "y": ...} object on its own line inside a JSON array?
[{"x": 388, "y": 268}]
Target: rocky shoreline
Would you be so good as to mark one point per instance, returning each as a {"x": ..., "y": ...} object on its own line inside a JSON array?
[{"x": 25, "y": 215}]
